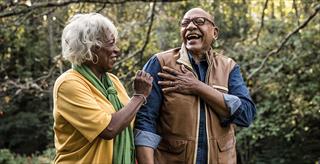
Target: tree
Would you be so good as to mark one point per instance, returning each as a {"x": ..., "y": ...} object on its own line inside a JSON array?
[{"x": 275, "y": 42}]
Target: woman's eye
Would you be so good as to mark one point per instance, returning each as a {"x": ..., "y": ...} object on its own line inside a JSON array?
[{"x": 111, "y": 42}]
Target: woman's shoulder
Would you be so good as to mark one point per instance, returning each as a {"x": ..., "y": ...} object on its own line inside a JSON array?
[{"x": 71, "y": 77}]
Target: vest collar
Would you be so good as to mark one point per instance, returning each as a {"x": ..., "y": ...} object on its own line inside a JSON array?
[{"x": 184, "y": 59}]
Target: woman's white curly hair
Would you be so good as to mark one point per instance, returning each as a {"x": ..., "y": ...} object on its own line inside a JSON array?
[{"x": 82, "y": 32}]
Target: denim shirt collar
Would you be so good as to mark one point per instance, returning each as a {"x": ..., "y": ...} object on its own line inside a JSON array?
[{"x": 193, "y": 62}]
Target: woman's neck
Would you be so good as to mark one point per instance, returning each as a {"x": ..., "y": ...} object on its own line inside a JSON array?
[{"x": 95, "y": 70}]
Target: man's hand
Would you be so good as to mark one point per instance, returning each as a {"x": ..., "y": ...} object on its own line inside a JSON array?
[{"x": 182, "y": 82}]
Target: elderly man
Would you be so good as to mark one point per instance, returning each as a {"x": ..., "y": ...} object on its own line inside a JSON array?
[{"x": 198, "y": 96}]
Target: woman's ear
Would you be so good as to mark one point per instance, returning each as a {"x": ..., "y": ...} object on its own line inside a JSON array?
[{"x": 95, "y": 49}]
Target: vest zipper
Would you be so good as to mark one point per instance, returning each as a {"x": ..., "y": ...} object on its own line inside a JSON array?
[
  {"x": 198, "y": 122},
  {"x": 205, "y": 107}
]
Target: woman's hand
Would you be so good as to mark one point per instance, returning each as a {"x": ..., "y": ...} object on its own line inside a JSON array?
[
  {"x": 121, "y": 119},
  {"x": 142, "y": 83}
]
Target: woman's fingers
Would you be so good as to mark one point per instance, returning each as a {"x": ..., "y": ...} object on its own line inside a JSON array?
[
  {"x": 139, "y": 73},
  {"x": 144, "y": 76}
]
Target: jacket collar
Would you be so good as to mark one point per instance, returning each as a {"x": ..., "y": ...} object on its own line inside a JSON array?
[{"x": 184, "y": 59}]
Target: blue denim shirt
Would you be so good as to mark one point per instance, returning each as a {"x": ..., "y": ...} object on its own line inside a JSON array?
[
  {"x": 201, "y": 70},
  {"x": 237, "y": 100}
]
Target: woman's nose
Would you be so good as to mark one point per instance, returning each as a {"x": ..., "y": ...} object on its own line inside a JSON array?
[{"x": 116, "y": 51}]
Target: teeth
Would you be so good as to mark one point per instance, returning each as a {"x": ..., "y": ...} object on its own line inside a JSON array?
[{"x": 193, "y": 36}]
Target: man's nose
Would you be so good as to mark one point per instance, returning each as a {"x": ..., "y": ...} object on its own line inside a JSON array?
[{"x": 191, "y": 26}]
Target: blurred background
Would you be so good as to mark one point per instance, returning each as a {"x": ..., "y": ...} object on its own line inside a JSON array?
[{"x": 275, "y": 42}]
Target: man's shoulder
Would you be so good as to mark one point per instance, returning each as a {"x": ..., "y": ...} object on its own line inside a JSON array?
[
  {"x": 220, "y": 55},
  {"x": 219, "y": 58},
  {"x": 168, "y": 52}
]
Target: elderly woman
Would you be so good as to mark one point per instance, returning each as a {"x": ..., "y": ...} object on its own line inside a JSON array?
[{"x": 92, "y": 111}]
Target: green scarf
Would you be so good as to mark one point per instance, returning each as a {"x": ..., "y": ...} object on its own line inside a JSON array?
[{"x": 123, "y": 149}]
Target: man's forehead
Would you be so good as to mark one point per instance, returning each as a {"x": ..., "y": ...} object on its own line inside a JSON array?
[{"x": 197, "y": 12}]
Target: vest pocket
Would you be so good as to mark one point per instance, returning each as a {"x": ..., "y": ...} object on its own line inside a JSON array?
[
  {"x": 171, "y": 151},
  {"x": 227, "y": 149}
]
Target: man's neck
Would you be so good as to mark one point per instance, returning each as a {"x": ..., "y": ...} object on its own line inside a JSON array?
[{"x": 198, "y": 57}]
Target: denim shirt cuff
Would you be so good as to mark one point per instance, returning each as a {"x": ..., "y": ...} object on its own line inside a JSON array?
[
  {"x": 145, "y": 138},
  {"x": 232, "y": 102}
]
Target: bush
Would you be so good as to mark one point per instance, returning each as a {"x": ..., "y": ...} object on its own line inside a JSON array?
[{"x": 7, "y": 157}]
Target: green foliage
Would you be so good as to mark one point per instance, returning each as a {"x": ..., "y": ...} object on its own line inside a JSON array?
[
  {"x": 27, "y": 124},
  {"x": 7, "y": 157},
  {"x": 287, "y": 96},
  {"x": 286, "y": 89}
]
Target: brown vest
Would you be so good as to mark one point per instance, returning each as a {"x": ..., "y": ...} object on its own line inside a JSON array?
[{"x": 179, "y": 115}]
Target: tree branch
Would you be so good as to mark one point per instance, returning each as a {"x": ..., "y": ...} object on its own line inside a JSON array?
[
  {"x": 140, "y": 51},
  {"x": 148, "y": 32},
  {"x": 57, "y": 60},
  {"x": 103, "y": 7},
  {"x": 52, "y": 4},
  {"x": 284, "y": 41},
  {"x": 38, "y": 84},
  {"x": 13, "y": 11},
  {"x": 262, "y": 21},
  {"x": 294, "y": 5}
]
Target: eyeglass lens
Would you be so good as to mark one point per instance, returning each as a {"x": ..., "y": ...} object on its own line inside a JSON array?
[{"x": 197, "y": 21}]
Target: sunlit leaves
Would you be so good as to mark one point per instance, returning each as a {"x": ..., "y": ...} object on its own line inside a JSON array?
[{"x": 286, "y": 90}]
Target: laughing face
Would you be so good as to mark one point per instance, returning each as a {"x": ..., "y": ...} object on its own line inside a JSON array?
[
  {"x": 198, "y": 31},
  {"x": 107, "y": 55}
]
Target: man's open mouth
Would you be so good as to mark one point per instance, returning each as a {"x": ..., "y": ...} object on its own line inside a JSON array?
[{"x": 191, "y": 37}]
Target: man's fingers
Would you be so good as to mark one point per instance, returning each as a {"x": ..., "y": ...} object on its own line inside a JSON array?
[
  {"x": 167, "y": 76},
  {"x": 171, "y": 71},
  {"x": 169, "y": 89},
  {"x": 166, "y": 83}
]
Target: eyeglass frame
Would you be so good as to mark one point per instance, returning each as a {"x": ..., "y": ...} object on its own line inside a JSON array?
[{"x": 195, "y": 23}]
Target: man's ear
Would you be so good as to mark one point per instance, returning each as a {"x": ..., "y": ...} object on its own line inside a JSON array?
[{"x": 215, "y": 33}]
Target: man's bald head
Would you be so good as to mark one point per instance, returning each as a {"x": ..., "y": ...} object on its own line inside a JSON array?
[{"x": 198, "y": 12}]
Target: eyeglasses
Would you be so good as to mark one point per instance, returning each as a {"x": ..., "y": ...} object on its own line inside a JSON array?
[{"x": 198, "y": 21}]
